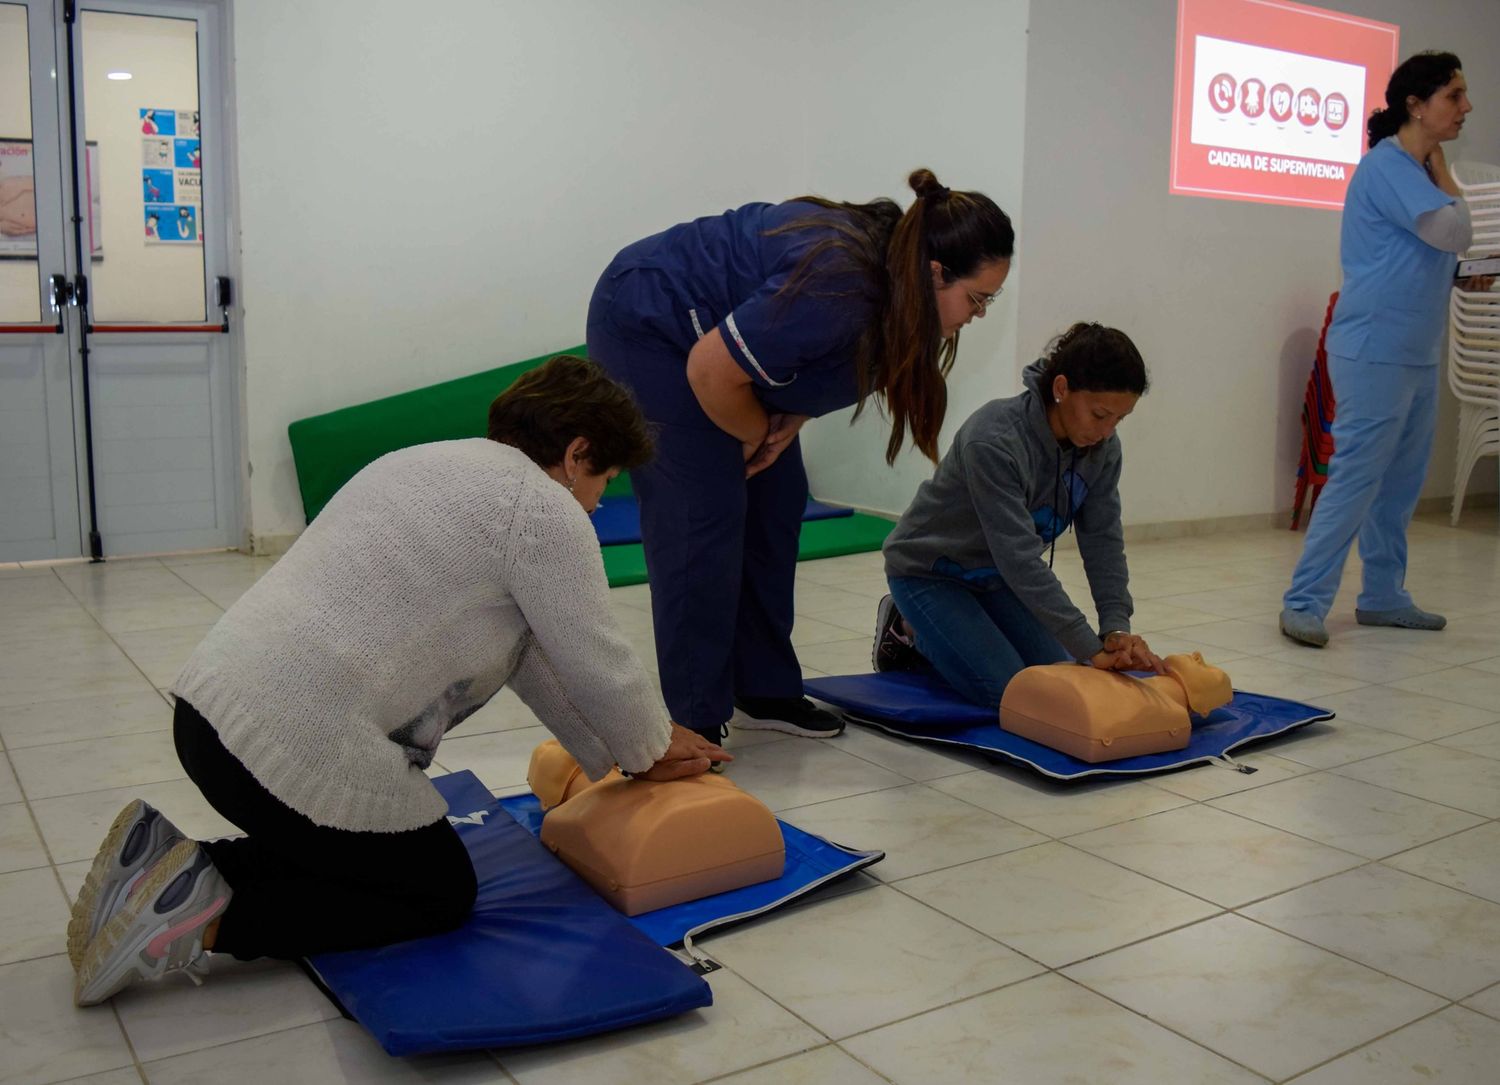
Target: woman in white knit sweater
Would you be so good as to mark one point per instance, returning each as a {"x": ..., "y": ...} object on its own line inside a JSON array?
[{"x": 308, "y": 714}]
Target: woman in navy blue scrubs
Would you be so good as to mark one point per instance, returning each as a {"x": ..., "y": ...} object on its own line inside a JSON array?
[{"x": 733, "y": 331}]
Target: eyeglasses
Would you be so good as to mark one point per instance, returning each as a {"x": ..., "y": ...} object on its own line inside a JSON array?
[{"x": 979, "y": 301}]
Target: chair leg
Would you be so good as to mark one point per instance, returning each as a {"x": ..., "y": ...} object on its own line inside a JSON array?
[{"x": 1467, "y": 456}]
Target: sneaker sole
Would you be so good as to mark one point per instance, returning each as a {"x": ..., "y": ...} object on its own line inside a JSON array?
[
  {"x": 92, "y": 987},
  {"x": 752, "y": 723},
  {"x": 882, "y": 619},
  {"x": 81, "y": 922}
]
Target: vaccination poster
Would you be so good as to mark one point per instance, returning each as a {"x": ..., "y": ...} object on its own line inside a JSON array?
[{"x": 171, "y": 176}]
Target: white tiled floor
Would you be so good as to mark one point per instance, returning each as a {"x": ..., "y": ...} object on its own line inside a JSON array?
[{"x": 1332, "y": 918}]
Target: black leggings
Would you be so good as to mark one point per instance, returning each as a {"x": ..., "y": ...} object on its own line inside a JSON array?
[{"x": 302, "y": 888}]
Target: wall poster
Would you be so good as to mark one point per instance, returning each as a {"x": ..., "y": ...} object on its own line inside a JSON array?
[
  {"x": 172, "y": 176},
  {"x": 18, "y": 201}
]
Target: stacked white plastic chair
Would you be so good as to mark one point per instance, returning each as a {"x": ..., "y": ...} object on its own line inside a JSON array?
[{"x": 1474, "y": 334}]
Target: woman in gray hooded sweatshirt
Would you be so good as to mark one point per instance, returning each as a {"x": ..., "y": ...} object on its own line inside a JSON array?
[{"x": 970, "y": 564}]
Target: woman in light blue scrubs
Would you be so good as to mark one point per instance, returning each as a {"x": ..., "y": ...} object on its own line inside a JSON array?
[
  {"x": 1404, "y": 219},
  {"x": 734, "y": 330}
]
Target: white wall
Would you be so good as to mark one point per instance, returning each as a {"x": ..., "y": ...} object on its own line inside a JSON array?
[
  {"x": 891, "y": 94},
  {"x": 1224, "y": 299},
  {"x": 424, "y": 197}
]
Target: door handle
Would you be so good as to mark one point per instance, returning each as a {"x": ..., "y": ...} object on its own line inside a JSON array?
[
  {"x": 224, "y": 298},
  {"x": 60, "y": 294}
]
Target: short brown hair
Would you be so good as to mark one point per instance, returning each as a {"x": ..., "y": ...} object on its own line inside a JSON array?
[{"x": 570, "y": 397}]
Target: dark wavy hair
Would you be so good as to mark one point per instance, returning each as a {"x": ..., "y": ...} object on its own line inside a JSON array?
[
  {"x": 570, "y": 397},
  {"x": 902, "y": 356},
  {"x": 1420, "y": 77},
  {"x": 1095, "y": 359}
]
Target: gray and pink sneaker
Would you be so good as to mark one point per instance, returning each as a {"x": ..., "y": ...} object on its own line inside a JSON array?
[
  {"x": 158, "y": 929},
  {"x": 138, "y": 837}
]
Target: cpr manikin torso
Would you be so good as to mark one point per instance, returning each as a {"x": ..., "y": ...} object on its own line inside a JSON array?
[
  {"x": 1097, "y": 715},
  {"x": 645, "y": 845}
]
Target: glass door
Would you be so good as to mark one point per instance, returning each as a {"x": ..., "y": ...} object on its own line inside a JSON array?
[
  {"x": 40, "y": 430},
  {"x": 162, "y": 388}
]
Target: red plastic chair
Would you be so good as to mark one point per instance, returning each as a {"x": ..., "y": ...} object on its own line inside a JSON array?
[{"x": 1317, "y": 427}]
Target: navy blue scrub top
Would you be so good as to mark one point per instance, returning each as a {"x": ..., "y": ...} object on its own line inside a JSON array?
[{"x": 724, "y": 271}]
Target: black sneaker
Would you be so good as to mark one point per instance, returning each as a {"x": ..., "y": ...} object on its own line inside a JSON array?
[
  {"x": 789, "y": 715},
  {"x": 894, "y": 649}
]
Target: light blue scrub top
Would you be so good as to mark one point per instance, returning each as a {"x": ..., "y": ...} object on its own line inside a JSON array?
[{"x": 1394, "y": 300}]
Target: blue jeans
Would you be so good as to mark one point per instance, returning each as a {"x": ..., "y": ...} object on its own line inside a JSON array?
[
  {"x": 976, "y": 640},
  {"x": 1382, "y": 440}
]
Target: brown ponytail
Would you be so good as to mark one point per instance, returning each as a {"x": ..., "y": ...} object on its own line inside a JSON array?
[
  {"x": 912, "y": 378},
  {"x": 961, "y": 231}
]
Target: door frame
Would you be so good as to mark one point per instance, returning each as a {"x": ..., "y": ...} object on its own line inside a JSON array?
[
  {"x": 57, "y": 354},
  {"x": 221, "y": 251}
]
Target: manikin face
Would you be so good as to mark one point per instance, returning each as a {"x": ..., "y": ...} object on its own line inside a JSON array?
[
  {"x": 1086, "y": 418},
  {"x": 961, "y": 300},
  {"x": 1442, "y": 115}
]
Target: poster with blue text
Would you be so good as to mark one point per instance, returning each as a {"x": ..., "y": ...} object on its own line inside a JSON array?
[{"x": 172, "y": 176}]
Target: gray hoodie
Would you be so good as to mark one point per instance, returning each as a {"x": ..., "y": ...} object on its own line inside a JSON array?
[{"x": 1006, "y": 488}]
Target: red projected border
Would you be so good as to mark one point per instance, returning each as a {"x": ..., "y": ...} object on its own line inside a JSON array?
[{"x": 1262, "y": 138}]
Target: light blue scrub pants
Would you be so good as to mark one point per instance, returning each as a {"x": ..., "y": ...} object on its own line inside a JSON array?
[{"x": 1383, "y": 426}]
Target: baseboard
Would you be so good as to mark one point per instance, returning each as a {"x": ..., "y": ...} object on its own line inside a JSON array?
[
  {"x": 271, "y": 546},
  {"x": 1260, "y": 521},
  {"x": 1471, "y": 501}
]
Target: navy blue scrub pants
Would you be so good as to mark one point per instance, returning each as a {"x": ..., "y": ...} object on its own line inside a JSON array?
[{"x": 721, "y": 551}]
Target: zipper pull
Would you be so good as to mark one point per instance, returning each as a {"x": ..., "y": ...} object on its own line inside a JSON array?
[{"x": 1225, "y": 761}]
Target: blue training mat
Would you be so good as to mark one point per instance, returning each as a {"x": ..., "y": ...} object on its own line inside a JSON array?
[
  {"x": 542, "y": 958},
  {"x": 618, "y": 518},
  {"x": 811, "y": 862},
  {"x": 924, "y": 708}
]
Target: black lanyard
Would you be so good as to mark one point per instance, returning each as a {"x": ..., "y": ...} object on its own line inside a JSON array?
[{"x": 1057, "y": 477}]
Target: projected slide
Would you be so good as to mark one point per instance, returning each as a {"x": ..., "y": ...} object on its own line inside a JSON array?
[{"x": 1272, "y": 98}]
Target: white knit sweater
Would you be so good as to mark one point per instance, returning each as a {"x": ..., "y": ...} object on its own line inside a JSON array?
[{"x": 435, "y": 576}]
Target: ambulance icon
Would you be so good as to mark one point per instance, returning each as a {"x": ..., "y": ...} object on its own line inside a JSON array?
[{"x": 1309, "y": 107}]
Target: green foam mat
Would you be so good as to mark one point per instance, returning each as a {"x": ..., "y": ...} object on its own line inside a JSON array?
[
  {"x": 857, "y": 534},
  {"x": 330, "y": 449}
]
